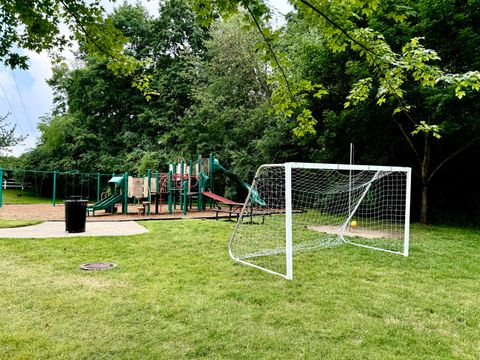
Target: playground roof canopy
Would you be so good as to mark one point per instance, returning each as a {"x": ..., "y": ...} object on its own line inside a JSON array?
[{"x": 117, "y": 180}]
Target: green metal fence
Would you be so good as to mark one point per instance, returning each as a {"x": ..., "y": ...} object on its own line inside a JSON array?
[{"x": 183, "y": 181}]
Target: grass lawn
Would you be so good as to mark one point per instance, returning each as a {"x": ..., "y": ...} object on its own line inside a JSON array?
[
  {"x": 176, "y": 294},
  {"x": 16, "y": 223},
  {"x": 14, "y": 196}
]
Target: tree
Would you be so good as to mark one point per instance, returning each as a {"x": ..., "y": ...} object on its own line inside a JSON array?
[
  {"x": 7, "y": 135},
  {"x": 36, "y": 25},
  {"x": 231, "y": 114},
  {"x": 96, "y": 119},
  {"x": 176, "y": 45},
  {"x": 431, "y": 88},
  {"x": 101, "y": 122},
  {"x": 392, "y": 68}
]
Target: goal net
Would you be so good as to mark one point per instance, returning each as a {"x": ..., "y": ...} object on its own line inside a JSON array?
[{"x": 297, "y": 207}]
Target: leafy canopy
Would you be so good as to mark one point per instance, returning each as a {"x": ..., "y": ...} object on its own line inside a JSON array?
[{"x": 345, "y": 26}]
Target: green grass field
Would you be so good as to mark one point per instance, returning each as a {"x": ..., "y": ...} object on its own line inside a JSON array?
[
  {"x": 17, "y": 223},
  {"x": 176, "y": 294},
  {"x": 14, "y": 196}
]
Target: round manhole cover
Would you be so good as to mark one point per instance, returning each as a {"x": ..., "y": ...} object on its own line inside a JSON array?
[{"x": 98, "y": 266}]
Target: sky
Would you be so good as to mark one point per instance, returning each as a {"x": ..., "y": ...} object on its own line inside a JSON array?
[{"x": 27, "y": 97}]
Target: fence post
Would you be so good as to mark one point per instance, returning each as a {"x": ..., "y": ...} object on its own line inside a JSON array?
[
  {"x": 98, "y": 187},
  {"x": 54, "y": 199},
  {"x": 1, "y": 186},
  {"x": 157, "y": 192}
]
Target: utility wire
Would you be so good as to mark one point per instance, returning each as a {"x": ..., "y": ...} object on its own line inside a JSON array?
[
  {"x": 267, "y": 41},
  {"x": 338, "y": 26},
  {"x": 31, "y": 125},
  {"x": 11, "y": 109}
]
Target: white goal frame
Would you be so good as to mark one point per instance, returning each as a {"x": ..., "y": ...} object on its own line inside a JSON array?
[{"x": 289, "y": 210}]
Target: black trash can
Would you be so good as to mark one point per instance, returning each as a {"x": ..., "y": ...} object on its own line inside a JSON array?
[{"x": 75, "y": 215}]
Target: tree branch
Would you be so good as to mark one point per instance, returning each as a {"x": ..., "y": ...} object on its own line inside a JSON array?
[
  {"x": 84, "y": 30},
  {"x": 409, "y": 141},
  {"x": 270, "y": 49},
  {"x": 339, "y": 27},
  {"x": 448, "y": 158}
]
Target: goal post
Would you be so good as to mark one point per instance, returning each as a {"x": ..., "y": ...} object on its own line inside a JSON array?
[{"x": 296, "y": 207}]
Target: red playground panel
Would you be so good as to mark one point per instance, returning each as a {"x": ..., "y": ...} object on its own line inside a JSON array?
[{"x": 220, "y": 199}]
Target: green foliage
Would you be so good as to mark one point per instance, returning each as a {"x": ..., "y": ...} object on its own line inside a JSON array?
[
  {"x": 149, "y": 160},
  {"x": 343, "y": 27},
  {"x": 100, "y": 122},
  {"x": 7, "y": 135},
  {"x": 427, "y": 129},
  {"x": 36, "y": 25},
  {"x": 222, "y": 79},
  {"x": 230, "y": 113},
  {"x": 360, "y": 92}
]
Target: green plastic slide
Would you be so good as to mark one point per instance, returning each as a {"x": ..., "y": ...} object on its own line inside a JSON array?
[
  {"x": 234, "y": 177},
  {"x": 105, "y": 203}
]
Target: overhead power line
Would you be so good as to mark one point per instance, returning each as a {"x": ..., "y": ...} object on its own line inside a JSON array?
[
  {"x": 11, "y": 109},
  {"x": 31, "y": 124}
]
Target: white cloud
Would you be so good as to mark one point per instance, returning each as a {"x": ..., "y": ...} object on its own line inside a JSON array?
[
  {"x": 28, "y": 144},
  {"x": 39, "y": 94},
  {"x": 281, "y": 6}
]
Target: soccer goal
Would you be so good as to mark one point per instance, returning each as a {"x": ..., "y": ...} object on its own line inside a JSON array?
[{"x": 296, "y": 207}]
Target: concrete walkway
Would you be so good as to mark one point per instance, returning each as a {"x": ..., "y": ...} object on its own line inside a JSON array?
[{"x": 52, "y": 229}]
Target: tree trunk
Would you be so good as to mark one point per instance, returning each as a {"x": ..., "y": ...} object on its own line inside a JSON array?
[
  {"x": 425, "y": 180},
  {"x": 424, "y": 205}
]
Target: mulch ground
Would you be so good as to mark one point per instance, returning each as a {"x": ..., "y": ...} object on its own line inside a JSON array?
[{"x": 46, "y": 212}]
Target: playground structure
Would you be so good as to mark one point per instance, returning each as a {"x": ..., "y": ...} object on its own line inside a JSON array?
[
  {"x": 109, "y": 201},
  {"x": 185, "y": 186}
]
